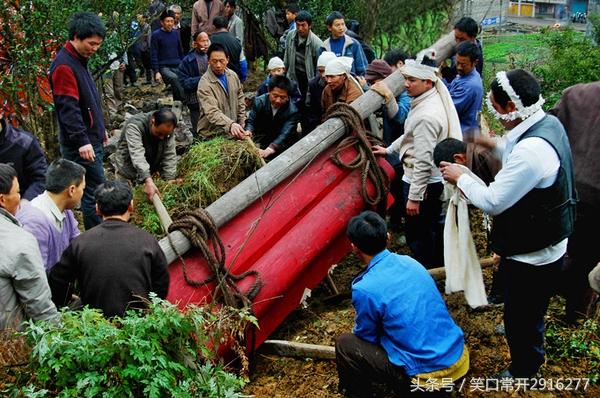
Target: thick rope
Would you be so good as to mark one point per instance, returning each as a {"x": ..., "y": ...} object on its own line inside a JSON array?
[
  {"x": 199, "y": 227},
  {"x": 365, "y": 159}
]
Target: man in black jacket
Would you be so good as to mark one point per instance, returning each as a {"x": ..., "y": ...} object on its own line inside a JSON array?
[
  {"x": 116, "y": 264},
  {"x": 22, "y": 151},
  {"x": 273, "y": 119}
]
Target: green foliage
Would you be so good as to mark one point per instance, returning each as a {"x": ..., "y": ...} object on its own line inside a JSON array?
[
  {"x": 573, "y": 59},
  {"x": 412, "y": 37},
  {"x": 207, "y": 171},
  {"x": 594, "y": 20},
  {"x": 162, "y": 352},
  {"x": 581, "y": 343}
]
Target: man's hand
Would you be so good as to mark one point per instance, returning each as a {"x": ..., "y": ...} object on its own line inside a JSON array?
[
  {"x": 265, "y": 153},
  {"x": 87, "y": 153},
  {"x": 158, "y": 77},
  {"x": 378, "y": 150},
  {"x": 383, "y": 90},
  {"x": 237, "y": 131},
  {"x": 412, "y": 207},
  {"x": 150, "y": 188},
  {"x": 451, "y": 172}
]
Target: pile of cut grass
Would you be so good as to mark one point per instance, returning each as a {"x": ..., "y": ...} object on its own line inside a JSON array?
[{"x": 207, "y": 170}]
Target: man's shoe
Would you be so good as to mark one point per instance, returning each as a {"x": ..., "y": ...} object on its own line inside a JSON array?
[{"x": 495, "y": 299}]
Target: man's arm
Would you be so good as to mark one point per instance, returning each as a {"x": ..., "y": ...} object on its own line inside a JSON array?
[
  {"x": 169, "y": 160},
  {"x": 288, "y": 130},
  {"x": 66, "y": 100},
  {"x": 461, "y": 97},
  {"x": 61, "y": 277},
  {"x": 159, "y": 273},
  {"x": 360, "y": 60},
  {"x": 31, "y": 285},
  {"x": 137, "y": 152},
  {"x": 367, "y": 319},
  {"x": 241, "y": 99},
  {"x": 35, "y": 168}
]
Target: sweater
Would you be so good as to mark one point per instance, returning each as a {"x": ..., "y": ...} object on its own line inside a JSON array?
[
  {"x": 76, "y": 99},
  {"x": 115, "y": 264},
  {"x": 165, "y": 49}
]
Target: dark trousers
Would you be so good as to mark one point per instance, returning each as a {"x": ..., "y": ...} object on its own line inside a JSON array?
[
  {"x": 397, "y": 209},
  {"x": 527, "y": 293},
  {"x": 194, "y": 117},
  {"x": 94, "y": 176},
  {"x": 360, "y": 364},
  {"x": 423, "y": 230},
  {"x": 169, "y": 75},
  {"x": 582, "y": 258}
]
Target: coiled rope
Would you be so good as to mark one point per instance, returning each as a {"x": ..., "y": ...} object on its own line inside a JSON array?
[
  {"x": 365, "y": 159},
  {"x": 199, "y": 227}
]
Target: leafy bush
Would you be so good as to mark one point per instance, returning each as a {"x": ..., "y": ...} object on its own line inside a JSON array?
[
  {"x": 160, "y": 353},
  {"x": 573, "y": 59}
]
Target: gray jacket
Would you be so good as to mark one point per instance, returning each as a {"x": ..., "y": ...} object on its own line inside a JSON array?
[
  {"x": 24, "y": 291},
  {"x": 132, "y": 158},
  {"x": 314, "y": 47}
]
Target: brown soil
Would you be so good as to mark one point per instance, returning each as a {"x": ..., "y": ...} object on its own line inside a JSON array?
[{"x": 320, "y": 323}]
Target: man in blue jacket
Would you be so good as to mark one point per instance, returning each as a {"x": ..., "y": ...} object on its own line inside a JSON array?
[
  {"x": 403, "y": 333},
  {"x": 78, "y": 106},
  {"x": 466, "y": 89},
  {"x": 166, "y": 53},
  {"x": 343, "y": 45},
  {"x": 274, "y": 118},
  {"x": 190, "y": 71},
  {"x": 22, "y": 151}
]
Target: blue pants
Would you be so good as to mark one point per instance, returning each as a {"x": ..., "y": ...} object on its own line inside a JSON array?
[
  {"x": 94, "y": 176},
  {"x": 423, "y": 231},
  {"x": 526, "y": 296}
]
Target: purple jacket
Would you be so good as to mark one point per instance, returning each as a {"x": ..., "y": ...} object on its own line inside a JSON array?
[{"x": 52, "y": 242}]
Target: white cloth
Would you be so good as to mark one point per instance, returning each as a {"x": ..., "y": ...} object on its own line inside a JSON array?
[
  {"x": 530, "y": 163},
  {"x": 463, "y": 271},
  {"x": 339, "y": 66},
  {"x": 324, "y": 58},
  {"x": 275, "y": 63}
]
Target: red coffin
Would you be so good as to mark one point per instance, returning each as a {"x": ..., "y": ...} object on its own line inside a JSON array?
[{"x": 291, "y": 236}]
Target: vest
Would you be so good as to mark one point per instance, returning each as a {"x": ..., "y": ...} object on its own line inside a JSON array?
[{"x": 545, "y": 216}]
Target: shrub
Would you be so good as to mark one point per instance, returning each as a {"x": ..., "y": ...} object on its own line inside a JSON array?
[{"x": 161, "y": 352}]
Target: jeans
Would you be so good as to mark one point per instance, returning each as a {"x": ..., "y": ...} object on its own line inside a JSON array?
[
  {"x": 194, "y": 118},
  {"x": 423, "y": 231},
  {"x": 526, "y": 296},
  {"x": 94, "y": 176},
  {"x": 360, "y": 364},
  {"x": 169, "y": 75}
]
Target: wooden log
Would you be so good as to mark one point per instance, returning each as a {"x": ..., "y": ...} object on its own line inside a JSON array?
[
  {"x": 302, "y": 350},
  {"x": 440, "y": 273},
  {"x": 163, "y": 214},
  {"x": 294, "y": 158}
]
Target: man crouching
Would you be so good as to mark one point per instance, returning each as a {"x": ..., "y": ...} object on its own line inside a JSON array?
[{"x": 403, "y": 334}]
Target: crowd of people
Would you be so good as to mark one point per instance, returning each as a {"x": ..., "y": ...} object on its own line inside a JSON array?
[{"x": 528, "y": 181}]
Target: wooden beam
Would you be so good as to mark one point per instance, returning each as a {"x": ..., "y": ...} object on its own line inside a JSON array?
[
  {"x": 440, "y": 273},
  {"x": 163, "y": 214},
  {"x": 301, "y": 350},
  {"x": 293, "y": 159}
]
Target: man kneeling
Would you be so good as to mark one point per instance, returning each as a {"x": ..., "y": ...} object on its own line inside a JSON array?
[
  {"x": 116, "y": 265},
  {"x": 403, "y": 333}
]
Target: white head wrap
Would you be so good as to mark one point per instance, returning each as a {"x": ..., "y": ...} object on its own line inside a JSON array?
[
  {"x": 414, "y": 68},
  {"x": 522, "y": 112},
  {"x": 275, "y": 63},
  {"x": 338, "y": 66},
  {"x": 324, "y": 58}
]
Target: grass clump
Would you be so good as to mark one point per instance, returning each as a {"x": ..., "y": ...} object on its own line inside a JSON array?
[{"x": 207, "y": 171}]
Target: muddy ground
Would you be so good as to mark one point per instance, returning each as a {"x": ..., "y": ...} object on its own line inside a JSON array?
[{"x": 321, "y": 322}]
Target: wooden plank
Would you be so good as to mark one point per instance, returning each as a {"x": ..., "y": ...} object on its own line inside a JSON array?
[
  {"x": 440, "y": 273},
  {"x": 163, "y": 214},
  {"x": 294, "y": 158},
  {"x": 301, "y": 350}
]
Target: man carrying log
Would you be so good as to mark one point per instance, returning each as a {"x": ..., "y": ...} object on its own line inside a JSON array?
[
  {"x": 147, "y": 146},
  {"x": 404, "y": 335}
]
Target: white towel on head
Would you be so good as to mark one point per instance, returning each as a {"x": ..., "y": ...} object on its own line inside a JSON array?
[
  {"x": 463, "y": 270},
  {"x": 339, "y": 66}
]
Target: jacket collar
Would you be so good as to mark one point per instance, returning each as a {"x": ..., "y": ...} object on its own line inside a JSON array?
[
  {"x": 427, "y": 94},
  {"x": 4, "y": 213},
  {"x": 374, "y": 261},
  {"x": 73, "y": 53}
]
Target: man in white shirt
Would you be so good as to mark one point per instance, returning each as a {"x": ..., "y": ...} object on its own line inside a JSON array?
[{"x": 533, "y": 203}]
